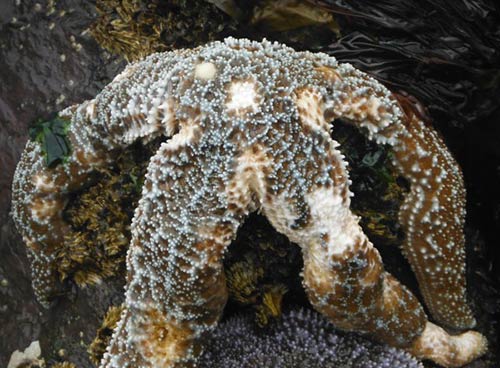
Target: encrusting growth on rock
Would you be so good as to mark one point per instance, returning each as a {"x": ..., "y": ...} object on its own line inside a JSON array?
[
  {"x": 136, "y": 28},
  {"x": 98, "y": 346},
  {"x": 247, "y": 127},
  {"x": 261, "y": 266},
  {"x": 64, "y": 365},
  {"x": 99, "y": 218}
]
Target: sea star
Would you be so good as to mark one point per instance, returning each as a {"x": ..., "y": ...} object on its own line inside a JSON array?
[{"x": 248, "y": 129}]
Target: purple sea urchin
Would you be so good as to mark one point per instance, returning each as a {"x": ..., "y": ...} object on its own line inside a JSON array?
[{"x": 301, "y": 338}]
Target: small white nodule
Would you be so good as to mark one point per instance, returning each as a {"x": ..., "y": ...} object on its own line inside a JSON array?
[{"x": 205, "y": 71}]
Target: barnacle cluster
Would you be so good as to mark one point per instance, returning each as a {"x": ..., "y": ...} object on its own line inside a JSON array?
[
  {"x": 100, "y": 217},
  {"x": 64, "y": 365},
  {"x": 261, "y": 267},
  {"x": 137, "y": 28}
]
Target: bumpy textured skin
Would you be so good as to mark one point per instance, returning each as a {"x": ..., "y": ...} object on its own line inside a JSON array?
[{"x": 248, "y": 130}]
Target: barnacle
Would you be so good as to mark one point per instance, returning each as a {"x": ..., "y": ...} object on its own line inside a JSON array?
[
  {"x": 242, "y": 278},
  {"x": 270, "y": 307},
  {"x": 63, "y": 365},
  {"x": 98, "y": 346}
]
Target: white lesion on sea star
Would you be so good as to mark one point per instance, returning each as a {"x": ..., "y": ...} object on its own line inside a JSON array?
[
  {"x": 243, "y": 97},
  {"x": 247, "y": 128}
]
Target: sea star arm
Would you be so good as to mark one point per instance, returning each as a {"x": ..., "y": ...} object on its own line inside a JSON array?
[
  {"x": 433, "y": 212},
  {"x": 343, "y": 273},
  {"x": 97, "y": 128},
  {"x": 176, "y": 288}
]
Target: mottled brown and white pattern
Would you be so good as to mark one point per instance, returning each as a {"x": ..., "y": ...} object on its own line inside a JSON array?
[{"x": 248, "y": 128}]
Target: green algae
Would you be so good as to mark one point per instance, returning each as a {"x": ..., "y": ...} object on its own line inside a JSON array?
[{"x": 51, "y": 134}]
